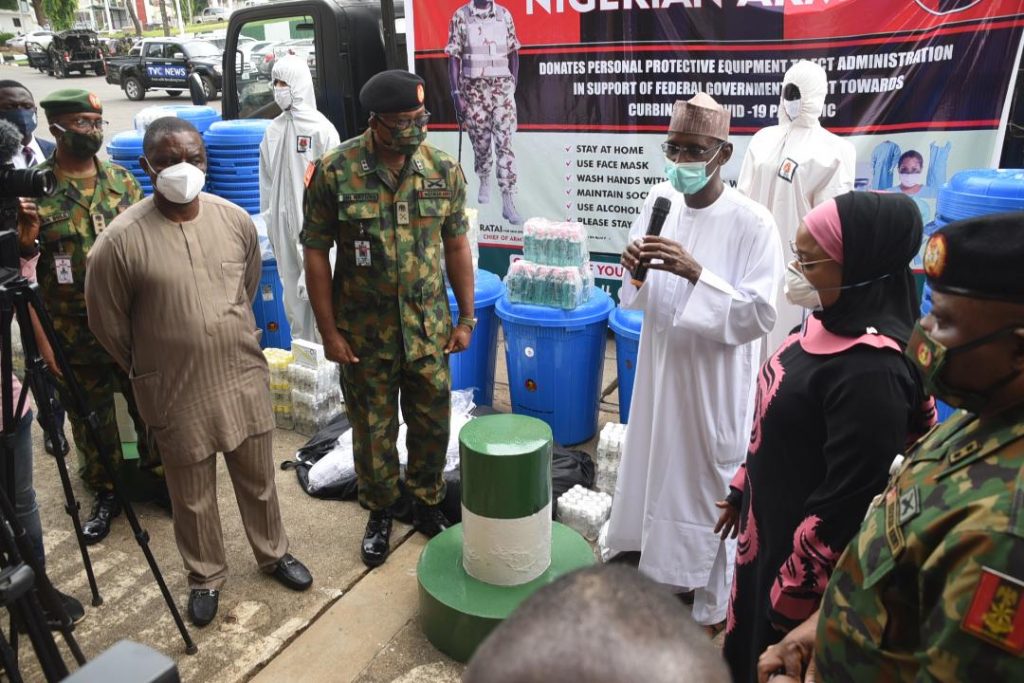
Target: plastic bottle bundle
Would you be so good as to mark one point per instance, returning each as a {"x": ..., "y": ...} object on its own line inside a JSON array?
[
  {"x": 584, "y": 510},
  {"x": 608, "y": 455},
  {"x": 563, "y": 287},
  {"x": 319, "y": 380},
  {"x": 279, "y": 361},
  {"x": 313, "y": 411},
  {"x": 555, "y": 244}
]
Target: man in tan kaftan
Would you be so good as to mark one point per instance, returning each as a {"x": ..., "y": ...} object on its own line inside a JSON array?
[{"x": 168, "y": 291}]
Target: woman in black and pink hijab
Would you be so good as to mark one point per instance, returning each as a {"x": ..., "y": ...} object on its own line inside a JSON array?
[{"x": 835, "y": 404}]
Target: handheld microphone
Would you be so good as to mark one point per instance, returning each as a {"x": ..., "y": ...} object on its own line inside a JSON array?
[
  {"x": 10, "y": 140},
  {"x": 659, "y": 212}
]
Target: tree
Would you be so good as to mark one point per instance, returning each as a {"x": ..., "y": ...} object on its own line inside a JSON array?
[
  {"x": 163, "y": 17},
  {"x": 61, "y": 13},
  {"x": 37, "y": 7},
  {"x": 130, "y": 6}
]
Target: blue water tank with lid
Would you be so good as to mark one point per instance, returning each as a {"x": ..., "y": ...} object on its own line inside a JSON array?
[
  {"x": 474, "y": 367},
  {"x": 626, "y": 325}
]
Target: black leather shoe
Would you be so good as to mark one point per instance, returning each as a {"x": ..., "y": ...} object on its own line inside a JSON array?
[
  {"x": 62, "y": 441},
  {"x": 428, "y": 519},
  {"x": 291, "y": 573},
  {"x": 105, "y": 509},
  {"x": 202, "y": 605},
  {"x": 72, "y": 607},
  {"x": 377, "y": 539}
]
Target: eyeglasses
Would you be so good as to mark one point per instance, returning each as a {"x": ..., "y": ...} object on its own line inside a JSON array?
[
  {"x": 674, "y": 151},
  {"x": 89, "y": 124},
  {"x": 802, "y": 264},
  {"x": 404, "y": 124}
]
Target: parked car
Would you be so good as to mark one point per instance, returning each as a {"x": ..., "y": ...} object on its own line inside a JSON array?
[
  {"x": 38, "y": 57},
  {"x": 41, "y": 37},
  {"x": 300, "y": 46},
  {"x": 166, "y": 64},
  {"x": 77, "y": 50},
  {"x": 212, "y": 15}
]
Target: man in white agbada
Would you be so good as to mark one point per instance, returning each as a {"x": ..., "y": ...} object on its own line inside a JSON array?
[
  {"x": 294, "y": 141},
  {"x": 794, "y": 166},
  {"x": 708, "y": 299}
]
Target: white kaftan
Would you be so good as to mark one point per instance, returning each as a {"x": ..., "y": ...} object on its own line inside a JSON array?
[
  {"x": 791, "y": 168},
  {"x": 693, "y": 395}
]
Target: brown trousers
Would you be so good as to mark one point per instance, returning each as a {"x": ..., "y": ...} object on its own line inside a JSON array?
[{"x": 197, "y": 529}]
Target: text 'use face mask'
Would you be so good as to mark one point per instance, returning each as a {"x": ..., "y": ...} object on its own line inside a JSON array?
[
  {"x": 180, "y": 183},
  {"x": 690, "y": 177}
]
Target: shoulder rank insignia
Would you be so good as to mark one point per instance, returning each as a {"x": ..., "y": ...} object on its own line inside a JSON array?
[{"x": 996, "y": 614}]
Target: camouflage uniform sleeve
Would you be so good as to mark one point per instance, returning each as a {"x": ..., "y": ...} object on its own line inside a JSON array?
[
  {"x": 510, "y": 26},
  {"x": 320, "y": 208},
  {"x": 972, "y": 609},
  {"x": 456, "y": 224},
  {"x": 456, "y": 35},
  {"x": 132, "y": 188}
]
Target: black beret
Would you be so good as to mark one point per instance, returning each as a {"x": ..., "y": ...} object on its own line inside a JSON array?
[
  {"x": 978, "y": 257},
  {"x": 392, "y": 91}
]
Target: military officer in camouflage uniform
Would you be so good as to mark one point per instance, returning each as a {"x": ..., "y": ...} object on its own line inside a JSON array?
[
  {"x": 932, "y": 588},
  {"x": 90, "y": 193},
  {"x": 483, "y": 68},
  {"x": 392, "y": 205}
]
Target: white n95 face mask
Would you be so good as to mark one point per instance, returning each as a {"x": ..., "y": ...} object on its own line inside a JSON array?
[
  {"x": 911, "y": 179},
  {"x": 792, "y": 108},
  {"x": 180, "y": 183},
  {"x": 283, "y": 97},
  {"x": 799, "y": 291}
]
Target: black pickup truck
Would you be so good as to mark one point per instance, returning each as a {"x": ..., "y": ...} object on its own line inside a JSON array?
[{"x": 166, "y": 64}]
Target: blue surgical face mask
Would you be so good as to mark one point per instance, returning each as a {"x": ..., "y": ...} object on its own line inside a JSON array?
[
  {"x": 23, "y": 119},
  {"x": 689, "y": 177}
]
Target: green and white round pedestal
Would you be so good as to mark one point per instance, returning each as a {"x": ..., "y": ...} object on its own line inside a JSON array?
[{"x": 472, "y": 576}]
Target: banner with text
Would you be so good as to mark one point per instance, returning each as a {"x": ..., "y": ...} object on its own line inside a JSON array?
[{"x": 563, "y": 103}]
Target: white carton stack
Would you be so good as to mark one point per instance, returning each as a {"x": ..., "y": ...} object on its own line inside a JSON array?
[
  {"x": 608, "y": 455},
  {"x": 315, "y": 388},
  {"x": 584, "y": 510}
]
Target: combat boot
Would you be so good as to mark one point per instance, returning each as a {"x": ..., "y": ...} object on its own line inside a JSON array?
[
  {"x": 104, "y": 510},
  {"x": 377, "y": 539},
  {"x": 484, "y": 196},
  {"x": 428, "y": 519},
  {"x": 508, "y": 209}
]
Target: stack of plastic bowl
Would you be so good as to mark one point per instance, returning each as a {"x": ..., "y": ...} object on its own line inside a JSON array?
[
  {"x": 124, "y": 150},
  {"x": 233, "y": 161},
  {"x": 202, "y": 117}
]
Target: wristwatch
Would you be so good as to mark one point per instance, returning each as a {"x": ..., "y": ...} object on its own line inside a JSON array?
[{"x": 468, "y": 322}]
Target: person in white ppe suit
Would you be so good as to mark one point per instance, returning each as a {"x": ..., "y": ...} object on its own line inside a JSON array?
[
  {"x": 293, "y": 143},
  {"x": 794, "y": 166}
]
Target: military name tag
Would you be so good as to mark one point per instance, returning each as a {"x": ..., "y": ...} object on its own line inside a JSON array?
[
  {"x": 360, "y": 197},
  {"x": 363, "y": 253},
  {"x": 62, "y": 264},
  {"x": 99, "y": 222},
  {"x": 434, "y": 194},
  {"x": 55, "y": 218},
  {"x": 402, "y": 213}
]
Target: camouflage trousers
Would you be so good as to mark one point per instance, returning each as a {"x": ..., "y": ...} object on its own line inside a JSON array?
[
  {"x": 371, "y": 388},
  {"x": 490, "y": 120},
  {"x": 99, "y": 383}
]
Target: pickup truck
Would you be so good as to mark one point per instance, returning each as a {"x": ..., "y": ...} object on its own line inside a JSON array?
[{"x": 166, "y": 64}]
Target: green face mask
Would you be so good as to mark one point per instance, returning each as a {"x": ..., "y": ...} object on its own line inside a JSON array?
[
  {"x": 82, "y": 145},
  {"x": 932, "y": 358},
  {"x": 407, "y": 141}
]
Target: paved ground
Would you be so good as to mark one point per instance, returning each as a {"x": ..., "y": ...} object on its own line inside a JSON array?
[{"x": 354, "y": 625}]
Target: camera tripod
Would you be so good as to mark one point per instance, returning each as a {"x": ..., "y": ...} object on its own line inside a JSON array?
[{"x": 18, "y": 299}]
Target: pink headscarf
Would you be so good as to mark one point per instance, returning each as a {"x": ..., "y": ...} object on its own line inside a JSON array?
[{"x": 823, "y": 223}]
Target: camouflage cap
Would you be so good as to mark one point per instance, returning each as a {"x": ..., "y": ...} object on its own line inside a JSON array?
[
  {"x": 978, "y": 257},
  {"x": 700, "y": 115},
  {"x": 392, "y": 91},
  {"x": 71, "y": 101}
]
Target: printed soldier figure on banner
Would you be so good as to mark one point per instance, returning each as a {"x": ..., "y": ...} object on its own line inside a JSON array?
[{"x": 483, "y": 68}]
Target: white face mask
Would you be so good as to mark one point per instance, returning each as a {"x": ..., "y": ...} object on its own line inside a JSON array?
[
  {"x": 799, "y": 291},
  {"x": 792, "y": 108},
  {"x": 180, "y": 183},
  {"x": 910, "y": 179},
  {"x": 283, "y": 97}
]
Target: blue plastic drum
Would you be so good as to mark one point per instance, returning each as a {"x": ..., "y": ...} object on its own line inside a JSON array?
[
  {"x": 268, "y": 307},
  {"x": 626, "y": 326},
  {"x": 474, "y": 367},
  {"x": 556, "y": 362}
]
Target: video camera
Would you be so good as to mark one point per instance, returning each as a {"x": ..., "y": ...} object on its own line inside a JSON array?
[{"x": 15, "y": 183}]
